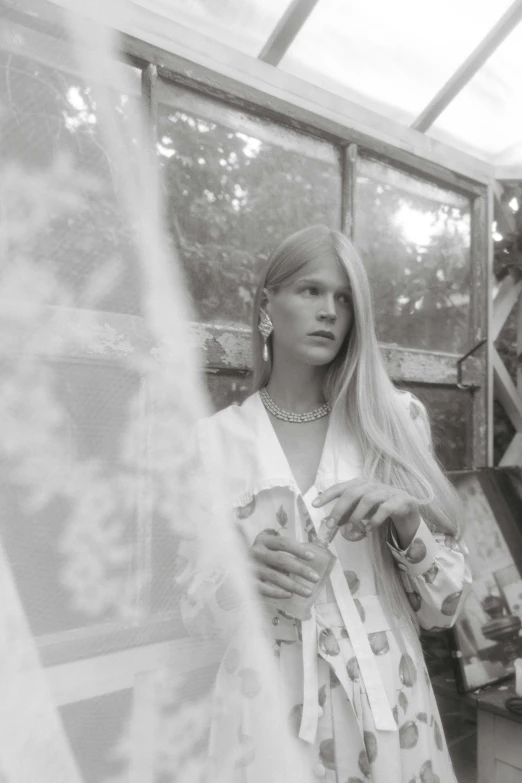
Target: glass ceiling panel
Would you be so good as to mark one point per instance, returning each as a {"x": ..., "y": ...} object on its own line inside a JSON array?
[
  {"x": 486, "y": 117},
  {"x": 390, "y": 57},
  {"x": 244, "y": 24}
]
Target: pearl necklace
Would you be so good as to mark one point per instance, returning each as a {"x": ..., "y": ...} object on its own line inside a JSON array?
[{"x": 295, "y": 418}]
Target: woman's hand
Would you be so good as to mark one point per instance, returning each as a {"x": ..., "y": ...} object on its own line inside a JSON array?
[
  {"x": 276, "y": 559},
  {"x": 369, "y": 504}
]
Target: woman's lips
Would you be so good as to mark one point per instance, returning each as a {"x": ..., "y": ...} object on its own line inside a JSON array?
[{"x": 323, "y": 335}]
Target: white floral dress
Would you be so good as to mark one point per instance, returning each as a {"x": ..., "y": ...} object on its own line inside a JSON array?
[{"x": 364, "y": 708}]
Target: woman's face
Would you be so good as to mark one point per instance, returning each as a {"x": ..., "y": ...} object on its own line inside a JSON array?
[{"x": 312, "y": 315}]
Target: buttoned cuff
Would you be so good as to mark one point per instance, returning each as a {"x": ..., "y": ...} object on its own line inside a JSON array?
[{"x": 419, "y": 555}]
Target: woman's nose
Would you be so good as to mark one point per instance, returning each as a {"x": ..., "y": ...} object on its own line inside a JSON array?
[{"x": 328, "y": 311}]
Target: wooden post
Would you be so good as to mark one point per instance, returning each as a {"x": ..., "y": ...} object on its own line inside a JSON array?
[
  {"x": 506, "y": 392},
  {"x": 490, "y": 392},
  {"x": 149, "y": 80},
  {"x": 349, "y": 183},
  {"x": 144, "y": 729},
  {"x": 513, "y": 453},
  {"x": 519, "y": 344},
  {"x": 142, "y": 445},
  {"x": 478, "y": 326},
  {"x": 507, "y": 296}
]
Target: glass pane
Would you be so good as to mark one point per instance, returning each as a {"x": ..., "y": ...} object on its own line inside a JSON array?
[
  {"x": 387, "y": 56},
  {"x": 75, "y": 564},
  {"x": 101, "y": 731},
  {"x": 449, "y": 412},
  {"x": 237, "y": 185},
  {"x": 49, "y": 128},
  {"x": 243, "y": 24},
  {"x": 415, "y": 240},
  {"x": 484, "y": 118},
  {"x": 96, "y": 729}
]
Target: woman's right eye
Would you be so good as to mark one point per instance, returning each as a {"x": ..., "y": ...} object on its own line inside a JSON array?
[{"x": 310, "y": 290}]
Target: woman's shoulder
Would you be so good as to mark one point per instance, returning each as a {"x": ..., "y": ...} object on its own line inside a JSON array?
[
  {"x": 416, "y": 412},
  {"x": 410, "y": 403},
  {"x": 229, "y": 440}
]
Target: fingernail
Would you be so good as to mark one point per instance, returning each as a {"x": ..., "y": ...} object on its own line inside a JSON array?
[
  {"x": 307, "y": 591},
  {"x": 349, "y": 526},
  {"x": 315, "y": 502},
  {"x": 330, "y": 522},
  {"x": 309, "y": 555},
  {"x": 313, "y": 575}
]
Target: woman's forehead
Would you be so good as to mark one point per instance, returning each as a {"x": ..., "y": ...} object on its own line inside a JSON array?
[{"x": 326, "y": 270}]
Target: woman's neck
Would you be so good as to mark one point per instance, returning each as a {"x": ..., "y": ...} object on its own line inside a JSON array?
[{"x": 297, "y": 387}]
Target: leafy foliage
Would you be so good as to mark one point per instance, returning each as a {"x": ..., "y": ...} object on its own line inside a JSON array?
[
  {"x": 415, "y": 240},
  {"x": 46, "y": 116},
  {"x": 230, "y": 198},
  {"x": 508, "y": 248}
]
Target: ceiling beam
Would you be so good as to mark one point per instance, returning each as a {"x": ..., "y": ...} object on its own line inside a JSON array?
[
  {"x": 198, "y": 61},
  {"x": 286, "y": 30},
  {"x": 469, "y": 67}
]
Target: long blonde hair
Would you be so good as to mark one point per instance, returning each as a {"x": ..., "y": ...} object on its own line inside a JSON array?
[{"x": 364, "y": 402}]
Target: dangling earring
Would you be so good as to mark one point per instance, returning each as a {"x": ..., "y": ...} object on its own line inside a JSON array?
[{"x": 266, "y": 327}]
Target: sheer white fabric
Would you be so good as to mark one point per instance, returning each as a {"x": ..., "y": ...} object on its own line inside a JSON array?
[{"x": 100, "y": 390}]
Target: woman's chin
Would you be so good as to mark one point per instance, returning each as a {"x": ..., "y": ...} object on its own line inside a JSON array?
[{"x": 317, "y": 356}]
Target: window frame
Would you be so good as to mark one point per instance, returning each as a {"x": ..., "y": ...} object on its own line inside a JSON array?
[{"x": 236, "y": 80}]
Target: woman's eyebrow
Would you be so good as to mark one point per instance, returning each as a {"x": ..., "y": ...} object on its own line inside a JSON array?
[{"x": 345, "y": 289}]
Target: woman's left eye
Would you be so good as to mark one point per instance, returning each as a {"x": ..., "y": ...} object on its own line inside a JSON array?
[{"x": 344, "y": 299}]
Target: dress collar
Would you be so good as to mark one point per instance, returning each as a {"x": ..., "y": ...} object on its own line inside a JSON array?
[{"x": 340, "y": 458}]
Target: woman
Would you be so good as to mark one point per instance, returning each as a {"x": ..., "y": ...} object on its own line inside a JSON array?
[{"x": 326, "y": 434}]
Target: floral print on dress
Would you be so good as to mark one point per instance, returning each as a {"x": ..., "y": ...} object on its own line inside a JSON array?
[
  {"x": 437, "y": 583},
  {"x": 347, "y": 746}
]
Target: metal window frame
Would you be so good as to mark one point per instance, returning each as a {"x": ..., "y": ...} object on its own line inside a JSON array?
[
  {"x": 227, "y": 348},
  {"x": 243, "y": 82}
]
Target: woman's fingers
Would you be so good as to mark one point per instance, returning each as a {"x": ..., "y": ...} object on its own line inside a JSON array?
[
  {"x": 368, "y": 502},
  {"x": 399, "y": 507},
  {"x": 285, "y": 563},
  {"x": 277, "y": 562},
  {"x": 349, "y": 500},
  {"x": 367, "y": 506},
  {"x": 336, "y": 491},
  {"x": 281, "y": 543},
  {"x": 271, "y": 591},
  {"x": 267, "y": 575}
]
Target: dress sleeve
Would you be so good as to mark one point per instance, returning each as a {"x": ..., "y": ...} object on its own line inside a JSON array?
[
  {"x": 419, "y": 418},
  {"x": 209, "y": 600},
  {"x": 434, "y": 574},
  {"x": 433, "y": 567}
]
